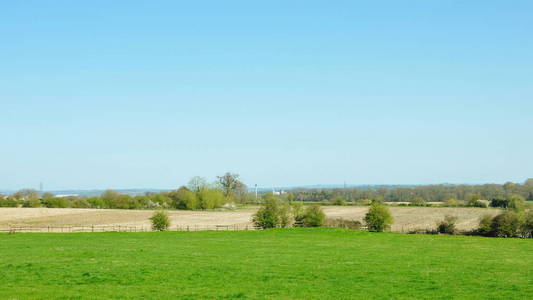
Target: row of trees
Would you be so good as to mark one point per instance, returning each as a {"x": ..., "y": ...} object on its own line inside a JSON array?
[
  {"x": 429, "y": 193},
  {"x": 198, "y": 194}
]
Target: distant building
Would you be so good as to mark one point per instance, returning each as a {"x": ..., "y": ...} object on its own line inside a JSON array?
[
  {"x": 66, "y": 195},
  {"x": 278, "y": 193}
]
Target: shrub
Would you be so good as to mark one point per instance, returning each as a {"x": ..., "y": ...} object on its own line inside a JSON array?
[
  {"x": 485, "y": 224},
  {"x": 378, "y": 199},
  {"x": 297, "y": 209},
  {"x": 209, "y": 198},
  {"x": 314, "y": 216},
  {"x": 447, "y": 225},
  {"x": 32, "y": 203},
  {"x": 160, "y": 221},
  {"x": 418, "y": 201},
  {"x": 286, "y": 218},
  {"x": 378, "y": 217},
  {"x": 268, "y": 215},
  {"x": 8, "y": 202},
  {"x": 363, "y": 202},
  {"x": 516, "y": 202},
  {"x": 183, "y": 198},
  {"x": 451, "y": 202},
  {"x": 79, "y": 203},
  {"x": 55, "y": 202},
  {"x": 527, "y": 226},
  {"x": 338, "y": 201},
  {"x": 506, "y": 224}
]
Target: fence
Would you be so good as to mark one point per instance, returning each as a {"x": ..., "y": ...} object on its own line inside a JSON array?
[{"x": 121, "y": 228}]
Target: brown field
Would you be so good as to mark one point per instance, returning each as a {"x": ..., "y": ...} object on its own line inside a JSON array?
[{"x": 406, "y": 218}]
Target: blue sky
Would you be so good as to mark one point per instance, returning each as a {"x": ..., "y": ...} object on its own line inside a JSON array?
[{"x": 126, "y": 94}]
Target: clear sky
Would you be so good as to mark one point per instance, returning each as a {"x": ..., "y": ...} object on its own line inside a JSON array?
[{"x": 131, "y": 94}]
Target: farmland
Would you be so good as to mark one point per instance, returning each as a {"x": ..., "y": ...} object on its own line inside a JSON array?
[
  {"x": 405, "y": 217},
  {"x": 271, "y": 264}
]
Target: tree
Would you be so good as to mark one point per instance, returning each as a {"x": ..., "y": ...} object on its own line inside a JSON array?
[
  {"x": 160, "y": 221},
  {"x": 26, "y": 195},
  {"x": 231, "y": 185},
  {"x": 314, "y": 216},
  {"x": 48, "y": 195},
  {"x": 378, "y": 217},
  {"x": 197, "y": 183}
]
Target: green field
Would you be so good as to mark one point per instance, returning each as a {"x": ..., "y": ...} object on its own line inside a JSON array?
[{"x": 271, "y": 264}]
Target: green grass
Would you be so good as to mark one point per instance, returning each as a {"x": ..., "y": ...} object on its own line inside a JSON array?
[{"x": 271, "y": 264}]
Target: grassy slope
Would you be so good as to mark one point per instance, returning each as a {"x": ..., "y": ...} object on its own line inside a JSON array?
[{"x": 272, "y": 264}]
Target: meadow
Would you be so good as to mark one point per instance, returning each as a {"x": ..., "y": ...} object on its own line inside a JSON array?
[{"x": 321, "y": 263}]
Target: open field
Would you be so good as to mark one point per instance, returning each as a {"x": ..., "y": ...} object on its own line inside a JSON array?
[
  {"x": 271, "y": 264},
  {"x": 405, "y": 217}
]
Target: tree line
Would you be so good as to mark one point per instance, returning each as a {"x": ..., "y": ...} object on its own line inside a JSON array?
[
  {"x": 229, "y": 189},
  {"x": 428, "y": 193},
  {"x": 198, "y": 194}
]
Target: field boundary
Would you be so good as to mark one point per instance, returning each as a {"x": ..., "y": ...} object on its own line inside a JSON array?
[{"x": 123, "y": 228}]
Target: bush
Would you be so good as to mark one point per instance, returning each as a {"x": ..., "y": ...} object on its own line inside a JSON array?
[
  {"x": 364, "y": 202},
  {"x": 452, "y": 202},
  {"x": 286, "y": 218},
  {"x": 183, "y": 198},
  {"x": 55, "y": 203},
  {"x": 268, "y": 216},
  {"x": 79, "y": 203},
  {"x": 160, "y": 221},
  {"x": 505, "y": 225},
  {"x": 378, "y": 217},
  {"x": 210, "y": 198},
  {"x": 516, "y": 203},
  {"x": 314, "y": 216},
  {"x": 418, "y": 201},
  {"x": 32, "y": 203},
  {"x": 485, "y": 224},
  {"x": 338, "y": 201},
  {"x": 447, "y": 226},
  {"x": 527, "y": 226},
  {"x": 8, "y": 202},
  {"x": 297, "y": 209}
]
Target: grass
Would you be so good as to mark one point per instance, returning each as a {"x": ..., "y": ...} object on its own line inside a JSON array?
[{"x": 271, "y": 264}]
